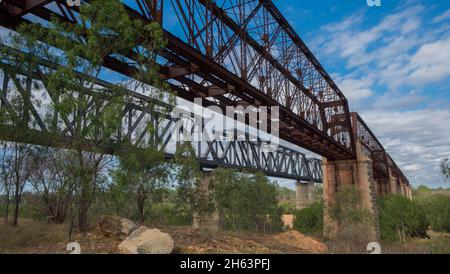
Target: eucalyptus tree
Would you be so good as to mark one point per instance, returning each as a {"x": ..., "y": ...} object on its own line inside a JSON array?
[
  {"x": 445, "y": 169},
  {"x": 87, "y": 115}
]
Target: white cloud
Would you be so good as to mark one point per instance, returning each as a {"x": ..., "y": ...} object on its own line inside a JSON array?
[
  {"x": 400, "y": 50},
  {"x": 444, "y": 16},
  {"x": 417, "y": 140},
  {"x": 431, "y": 62},
  {"x": 356, "y": 90},
  {"x": 387, "y": 68}
]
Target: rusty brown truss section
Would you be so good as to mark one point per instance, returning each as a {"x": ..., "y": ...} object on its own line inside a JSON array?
[
  {"x": 237, "y": 52},
  {"x": 382, "y": 162}
]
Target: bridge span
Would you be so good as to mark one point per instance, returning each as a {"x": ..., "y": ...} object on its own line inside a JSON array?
[{"x": 236, "y": 53}]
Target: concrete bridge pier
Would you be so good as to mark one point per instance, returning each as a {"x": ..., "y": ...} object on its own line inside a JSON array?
[
  {"x": 357, "y": 173},
  {"x": 304, "y": 194},
  {"x": 393, "y": 182},
  {"x": 211, "y": 221}
]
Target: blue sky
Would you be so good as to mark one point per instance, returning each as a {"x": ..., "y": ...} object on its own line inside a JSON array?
[{"x": 393, "y": 64}]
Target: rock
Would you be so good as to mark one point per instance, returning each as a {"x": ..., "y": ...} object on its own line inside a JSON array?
[
  {"x": 147, "y": 241},
  {"x": 116, "y": 227}
]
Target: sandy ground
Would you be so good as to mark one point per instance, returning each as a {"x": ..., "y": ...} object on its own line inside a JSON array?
[{"x": 35, "y": 237}]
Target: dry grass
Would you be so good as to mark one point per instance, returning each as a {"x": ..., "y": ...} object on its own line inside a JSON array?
[
  {"x": 31, "y": 236},
  {"x": 353, "y": 239},
  {"x": 439, "y": 243}
]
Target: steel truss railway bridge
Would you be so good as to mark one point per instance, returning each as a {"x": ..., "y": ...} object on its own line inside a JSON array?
[{"x": 229, "y": 53}]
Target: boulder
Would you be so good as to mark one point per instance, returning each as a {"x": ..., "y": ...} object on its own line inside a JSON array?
[
  {"x": 116, "y": 227},
  {"x": 147, "y": 241}
]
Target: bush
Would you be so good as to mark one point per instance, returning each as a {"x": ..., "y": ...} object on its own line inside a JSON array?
[
  {"x": 245, "y": 201},
  {"x": 437, "y": 210},
  {"x": 401, "y": 217},
  {"x": 287, "y": 207},
  {"x": 309, "y": 220},
  {"x": 347, "y": 207},
  {"x": 169, "y": 214}
]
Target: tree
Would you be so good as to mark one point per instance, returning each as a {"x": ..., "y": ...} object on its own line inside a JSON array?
[
  {"x": 91, "y": 114},
  {"x": 401, "y": 217},
  {"x": 445, "y": 169},
  {"x": 5, "y": 174},
  {"x": 189, "y": 189},
  {"x": 21, "y": 163},
  {"x": 310, "y": 220},
  {"x": 246, "y": 201},
  {"x": 53, "y": 183},
  {"x": 17, "y": 164},
  {"x": 144, "y": 174},
  {"x": 437, "y": 209}
]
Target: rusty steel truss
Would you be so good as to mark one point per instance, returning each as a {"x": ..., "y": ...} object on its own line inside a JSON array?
[
  {"x": 231, "y": 57},
  {"x": 383, "y": 165},
  {"x": 239, "y": 52}
]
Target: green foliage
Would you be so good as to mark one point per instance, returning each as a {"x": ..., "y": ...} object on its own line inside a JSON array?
[
  {"x": 437, "y": 210},
  {"x": 142, "y": 174},
  {"x": 189, "y": 189},
  {"x": 347, "y": 207},
  {"x": 401, "y": 217},
  {"x": 76, "y": 55},
  {"x": 287, "y": 207},
  {"x": 310, "y": 220},
  {"x": 246, "y": 202},
  {"x": 169, "y": 214}
]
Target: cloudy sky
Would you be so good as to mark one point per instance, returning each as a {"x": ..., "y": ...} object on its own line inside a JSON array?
[{"x": 393, "y": 64}]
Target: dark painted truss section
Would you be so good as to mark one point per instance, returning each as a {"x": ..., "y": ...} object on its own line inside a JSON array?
[
  {"x": 39, "y": 122},
  {"x": 381, "y": 161}
]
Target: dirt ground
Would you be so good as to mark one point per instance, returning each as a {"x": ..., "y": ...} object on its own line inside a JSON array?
[{"x": 35, "y": 237}]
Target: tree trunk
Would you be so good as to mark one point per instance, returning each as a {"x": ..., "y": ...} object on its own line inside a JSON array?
[
  {"x": 17, "y": 196},
  {"x": 140, "y": 206},
  {"x": 82, "y": 219},
  {"x": 16, "y": 211},
  {"x": 5, "y": 218}
]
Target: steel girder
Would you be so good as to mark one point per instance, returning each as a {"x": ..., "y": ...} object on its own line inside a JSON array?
[
  {"x": 314, "y": 113},
  {"x": 382, "y": 162},
  {"x": 243, "y": 52},
  {"x": 243, "y": 152}
]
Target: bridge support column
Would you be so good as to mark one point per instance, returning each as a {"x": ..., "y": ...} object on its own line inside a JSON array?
[
  {"x": 357, "y": 173},
  {"x": 409, "y": 192},
  {"x": 211, "y": 221},
  {"x": 304, "y": 194},
  {"x": 392, "y": 182}
]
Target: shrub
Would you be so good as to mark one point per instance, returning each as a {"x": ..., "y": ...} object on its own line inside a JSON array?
[
  {"x": 401, "y": 217},
  {"x": 354, "y": 221},
  {"x": 245, "y": 201},
  {"x": 287, "y": 207},
  {"x": 347, "y": 207},
  {"x": 309, "y": 220},
  {"x": 437, "y": 210},
  {"x": 169, "y": 214}
]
